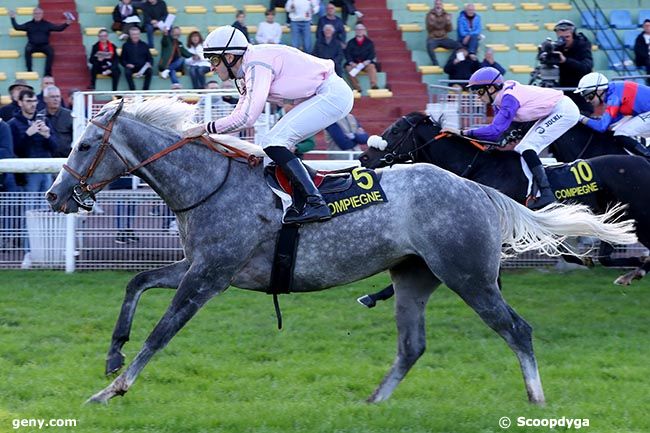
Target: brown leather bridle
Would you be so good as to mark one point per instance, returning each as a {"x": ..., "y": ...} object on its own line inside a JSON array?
[{"x": 84, "y": 193}]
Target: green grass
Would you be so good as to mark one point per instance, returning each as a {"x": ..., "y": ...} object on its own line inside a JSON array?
[{"x": 230, "y": 370}]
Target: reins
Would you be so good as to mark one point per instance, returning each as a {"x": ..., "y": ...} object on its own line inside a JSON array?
[{"x": 83, "y": 190}]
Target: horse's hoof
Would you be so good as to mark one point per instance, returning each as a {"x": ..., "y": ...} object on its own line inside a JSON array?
[
  {"x": 366, "y": 301},
  {"x": 114, "y": 363},
  {"x": 622, "y": 281},
  {"x": 101, "y": 397}
]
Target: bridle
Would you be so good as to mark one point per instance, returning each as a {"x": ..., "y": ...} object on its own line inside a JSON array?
[
  {"x": 83, "y": 193},
  {"x": 393, "y": 157}
]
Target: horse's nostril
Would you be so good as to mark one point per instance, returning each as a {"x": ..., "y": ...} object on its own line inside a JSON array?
[{"x": 50, "y": 196}]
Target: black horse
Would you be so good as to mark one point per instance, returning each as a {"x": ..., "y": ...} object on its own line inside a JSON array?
[{"x": 622, "y": 178}]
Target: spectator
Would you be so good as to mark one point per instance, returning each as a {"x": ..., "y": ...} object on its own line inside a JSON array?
[
  {"x": 104, "y": 60},
  {"x": 489, "y": 61},
  {"x": 197, "y": 66},
  {"x": 360, "y": 55},
  {"x": 7, "y": 151},
  {"x": 642, "y": 49},
  {"x": 155, "y": 14},
  {"x": 346, "y": 134},
  {"x": 347, "y": 8},
  {"x": 125, "y": 211},
  {"x": 279, "y": 4},
  {"x": 124, "y": 17},
  {"x": 136, "y": 59},
  {"x": 240, "y": 23},
  {"x": 469, "y": 28},
  {"x": 60, "y": 121},
  {"x": 69, "y": 100},
  {"x": 336, "y": 22},
  {"x": 328, "y": 47},
  {"x": 10, "y": 110},
  {"x": 218, "y": 107},
  {"x": 46, "y": 81},
  {"x": 461, "y": 65},
  {"x": 38, "y": 37},
  {"x": 33, "y": 138},
  {"x": 172, "y": 56},
  {"x": 576, "y": 61},
  {"x": 268, "y": 31},
  {"x": 300, "y": 12},
  {"x": 438, "y": 25}
]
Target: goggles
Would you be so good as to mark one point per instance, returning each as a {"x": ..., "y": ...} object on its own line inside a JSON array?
[{"x": 214, "y": 60}]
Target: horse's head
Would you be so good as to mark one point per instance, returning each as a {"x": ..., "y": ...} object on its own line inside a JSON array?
[
  {"x": 399, "y": 141},
  {"x": 93, "y": 163}
]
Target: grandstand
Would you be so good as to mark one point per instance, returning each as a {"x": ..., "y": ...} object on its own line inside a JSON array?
[{"x": 513, "y": 29}]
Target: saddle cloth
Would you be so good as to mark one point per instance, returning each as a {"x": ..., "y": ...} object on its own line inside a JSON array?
[{"x": 345, "y": 190}]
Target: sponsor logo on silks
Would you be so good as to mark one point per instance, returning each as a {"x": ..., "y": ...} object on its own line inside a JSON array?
[
  {"x": 365, "y": 191},
  {"x": 578, "y": 180},
  {"x": 552, "y": 120}
]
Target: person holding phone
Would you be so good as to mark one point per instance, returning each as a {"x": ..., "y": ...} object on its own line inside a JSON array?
[
  {"x": 461, "y": 65},
  {"x": 33, "y": 137}
]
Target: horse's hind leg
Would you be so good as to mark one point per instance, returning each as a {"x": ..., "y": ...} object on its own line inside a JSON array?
[
  {"x": 197, "y": 287},
  {"x": 166, "y": 277},
  {"x": 413, "y": 283},
  {"x": 485, "y": 298}
]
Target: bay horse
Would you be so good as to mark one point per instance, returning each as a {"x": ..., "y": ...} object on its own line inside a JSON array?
[
  {"x": 430, "y": 230},
  {"x": 414, "y": 138}
]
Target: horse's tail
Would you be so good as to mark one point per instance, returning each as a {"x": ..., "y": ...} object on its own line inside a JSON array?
[{"x": 547, "y": 230}]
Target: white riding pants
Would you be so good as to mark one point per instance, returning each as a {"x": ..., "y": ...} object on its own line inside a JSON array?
[
  {"x": 545, "y": 131},
  {"x": 637, "y": 125},
  {"x": 333, "y": 101}
]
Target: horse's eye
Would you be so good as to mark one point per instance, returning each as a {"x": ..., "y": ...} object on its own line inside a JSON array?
[
  {"x": 394, "y": 130},
  {"x": 84, "y": 147}
]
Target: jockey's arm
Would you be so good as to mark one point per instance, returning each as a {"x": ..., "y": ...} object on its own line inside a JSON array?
[
  {"x": 610, "y": 116},
  {"x": 500, "y": 123},
  {"x": 250, "y": 105}
]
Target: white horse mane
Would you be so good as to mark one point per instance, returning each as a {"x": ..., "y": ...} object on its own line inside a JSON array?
[{"x": 175, "y": 114}]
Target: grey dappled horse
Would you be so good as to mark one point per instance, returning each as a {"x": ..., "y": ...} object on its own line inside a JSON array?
[{"x": 436, "y": 227}]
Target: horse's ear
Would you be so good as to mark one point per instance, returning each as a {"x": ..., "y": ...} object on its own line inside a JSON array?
[{"x": 118, "y": 110}]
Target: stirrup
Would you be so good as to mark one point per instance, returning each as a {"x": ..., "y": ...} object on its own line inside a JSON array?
[{"x": 310, "y": 213}]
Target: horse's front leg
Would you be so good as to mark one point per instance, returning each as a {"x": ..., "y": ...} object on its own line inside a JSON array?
[
  {"x": 166, "y": 277},
  {"x": 196, "y": 288}
]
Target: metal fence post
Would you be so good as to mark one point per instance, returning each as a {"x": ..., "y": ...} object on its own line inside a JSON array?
[{"x": 70, "y": 237}]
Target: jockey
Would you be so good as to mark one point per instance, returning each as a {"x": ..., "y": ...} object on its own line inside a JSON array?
[
  {"x": 554, "y": 112},
  {"x": 622, "y": 98},
  {"x": 282, "y": 75}
]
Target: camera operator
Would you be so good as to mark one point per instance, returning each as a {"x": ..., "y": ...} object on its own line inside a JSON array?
[{"x": 574, "y": 60}]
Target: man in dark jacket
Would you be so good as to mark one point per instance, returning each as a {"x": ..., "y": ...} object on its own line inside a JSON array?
[
  {"x": 136, "y": 59},
  {"x": 60, "y": 120},
  {"x": 10, "y": 110},
  {"x": 360, "y": 55},
  {"x": 642, "y": 49},
  {"x": 38, "y": 37},
  {"x": 461, "y": 65},
  {"x": 155, "y": 12},
  {"x": 33, "y": 138},
  {"x": 576, "y": 61},
  {"x": 336, "y": 22},
  {"x": 7, "y": 181},
  {"x": 329, "y": 47}
]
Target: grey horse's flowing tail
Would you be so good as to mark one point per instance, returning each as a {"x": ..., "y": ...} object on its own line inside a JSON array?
[{"x": 546, "y": 230}]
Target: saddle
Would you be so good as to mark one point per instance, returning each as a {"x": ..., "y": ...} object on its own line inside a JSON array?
[{"x": 325, "y": 181}]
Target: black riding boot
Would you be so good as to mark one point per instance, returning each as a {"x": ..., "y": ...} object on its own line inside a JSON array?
[
  {"x": 315, "y": 208},
  {"x": 632, "y": 146},
  {"x": 539, "y": 177}
]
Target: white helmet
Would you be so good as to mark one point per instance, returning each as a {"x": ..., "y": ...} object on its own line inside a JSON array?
[
  {"x": 592, "y": 82},
  {"x": 225, "y": 40}
]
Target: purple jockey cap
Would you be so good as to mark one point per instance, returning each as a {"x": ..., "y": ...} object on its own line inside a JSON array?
[{"x": 484, "y": 77}]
